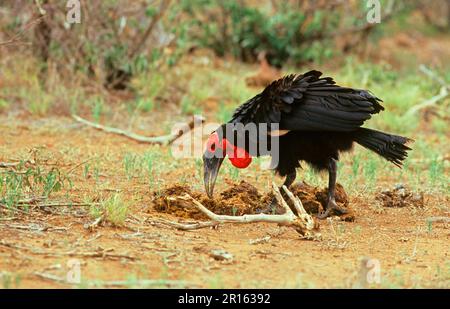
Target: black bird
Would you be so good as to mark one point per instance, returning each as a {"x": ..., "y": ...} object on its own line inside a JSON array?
[{"x": 316, "y": 120}]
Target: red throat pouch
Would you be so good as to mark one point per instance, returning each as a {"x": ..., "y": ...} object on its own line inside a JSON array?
[
  {"x": 241, "y": 162},
  {"x": 239, "y": 157}
]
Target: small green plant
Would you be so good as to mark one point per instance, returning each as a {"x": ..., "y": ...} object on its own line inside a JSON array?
[
  {"x": 131, "y": 165},
  {"x": 97, "y": 109},
  {"x": 22, "y": 183},
  {"x": 233, "y": 172},
  {"x": 86, "y": 170},
  {"x": 311, "y": 176},
  {"x": 370, "y": 169},
  {"x": 137, "y": 166},
  {"x": 39, "y": 102},
  {"x": 114, "y": 210},
  {"x": 430, "y": 226},
  {"x": 199, "y": 168},
  {"x": 216, "y": 282},
  {"x": 188, "y": 106},
  {"x": 355, "y": 164},
  {"x": 10, "y": 280},
  {"x": 3, "y": 105},
  {"x": 149, "y": 159},
  {"x": 145, "y": 104},
  {"x": 435, "y": 170}
]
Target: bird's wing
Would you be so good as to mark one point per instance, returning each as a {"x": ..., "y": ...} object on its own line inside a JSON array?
[{"x": 309, "y": 102}]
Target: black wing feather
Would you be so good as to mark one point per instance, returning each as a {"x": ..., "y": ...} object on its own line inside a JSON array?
[{"x": 309, "y": 102}]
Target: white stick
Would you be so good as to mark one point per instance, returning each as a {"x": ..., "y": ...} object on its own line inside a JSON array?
[
  {"x": 303, "y": 223},
  {"x": 164, "y": 139}
]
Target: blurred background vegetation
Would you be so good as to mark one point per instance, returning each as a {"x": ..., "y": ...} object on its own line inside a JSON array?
[
  {"x": 134, "y": 64},
  {"x": 182, "y": 57},
  {"x": 117, "y": 40}
]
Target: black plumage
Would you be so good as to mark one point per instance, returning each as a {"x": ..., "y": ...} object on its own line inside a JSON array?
[{"x": 321, "y": 119}]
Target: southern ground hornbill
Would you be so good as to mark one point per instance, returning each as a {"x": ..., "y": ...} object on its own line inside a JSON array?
[{"x": 315, "y": 120}]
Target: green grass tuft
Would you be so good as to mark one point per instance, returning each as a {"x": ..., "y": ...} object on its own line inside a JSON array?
[{"x": 114, "y": 210}]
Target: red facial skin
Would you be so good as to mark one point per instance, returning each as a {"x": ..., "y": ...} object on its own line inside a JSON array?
[{"x": 238, "y": 156}]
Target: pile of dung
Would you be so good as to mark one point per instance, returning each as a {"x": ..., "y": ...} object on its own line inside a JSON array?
[
  {"x": 314, "y": 199},
  {"x": 243, "y": 198},
  {"x": 161, "y": 203},
  {"x": 400, "y": 196}
]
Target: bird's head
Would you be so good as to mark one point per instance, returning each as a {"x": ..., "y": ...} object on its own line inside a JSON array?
[{"x": 217, "y": 148}]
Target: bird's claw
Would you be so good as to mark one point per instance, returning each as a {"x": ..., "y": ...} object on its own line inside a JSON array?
[{"x": 332, "y": 210}]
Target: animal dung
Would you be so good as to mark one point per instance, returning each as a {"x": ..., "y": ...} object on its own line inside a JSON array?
[
  {"x": 400, "y": 196},
  {"x": 243, "y": 198}
]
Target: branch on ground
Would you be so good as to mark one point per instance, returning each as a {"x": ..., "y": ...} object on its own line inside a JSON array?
[
  {"x": 118, "y": 283},
  {"x": 303, "y": 223},
  {"x": 443, "y": 93},
  {"x": 8, "y": 164},
  {"x": 163, "y": 140}
]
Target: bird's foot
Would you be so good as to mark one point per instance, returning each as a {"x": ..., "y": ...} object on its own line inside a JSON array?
[{"x": 332, "y": 210}]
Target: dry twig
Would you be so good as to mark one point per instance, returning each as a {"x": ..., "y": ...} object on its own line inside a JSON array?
[
  {"x": 163, "y": 140},
  {"x": 303, "y": 223},
  {"x": 8, "y": 164},
  {"x": 443, "y": 93},
  {"x": 439, "y": 219},
  {"x": 95, "y": 254},
  {"x": 187, "y": 226},
  {"x": 430, "y": 102},
  {"x": 119, "y": 283},
  {"x": 91, "y": 226},
  {"x": 16, "y": 38}
]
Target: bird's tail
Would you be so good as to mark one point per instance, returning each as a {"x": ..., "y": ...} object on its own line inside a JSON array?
[{"x": 391, "y": 147}]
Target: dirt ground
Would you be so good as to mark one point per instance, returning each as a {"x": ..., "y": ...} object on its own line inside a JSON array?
[{"x": 38, "y": 247}]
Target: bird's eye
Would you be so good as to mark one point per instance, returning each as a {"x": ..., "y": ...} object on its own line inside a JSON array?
[{"x": 213, "y": 143}]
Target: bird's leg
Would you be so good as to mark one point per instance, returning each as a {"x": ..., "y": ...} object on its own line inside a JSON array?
[
  {"x": 332, "y": 207},
  {"x": 288, "y": 181},
  {"x": 290, "y": 178}
]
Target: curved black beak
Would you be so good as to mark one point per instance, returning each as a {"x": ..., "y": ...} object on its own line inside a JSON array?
[{"x": 211, "y": 166}]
